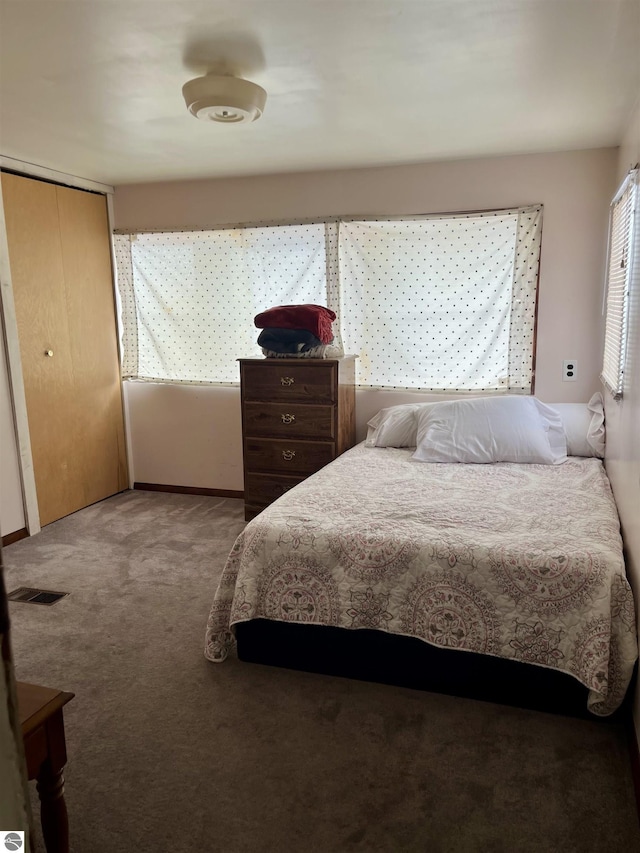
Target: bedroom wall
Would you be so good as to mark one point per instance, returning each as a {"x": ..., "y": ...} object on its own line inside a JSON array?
[
  {"x": 11, "y": 508},
  {"x": 187, "y": 436},
  {"x": 623, "y": 417}
]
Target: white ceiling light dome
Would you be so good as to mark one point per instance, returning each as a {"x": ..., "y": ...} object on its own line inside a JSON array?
[{"x": 229, "y": 100}]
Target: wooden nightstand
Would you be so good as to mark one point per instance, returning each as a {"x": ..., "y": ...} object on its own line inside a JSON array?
[
  {"x": 40, "y": 710},
  {"x": 297, "y": 415}
]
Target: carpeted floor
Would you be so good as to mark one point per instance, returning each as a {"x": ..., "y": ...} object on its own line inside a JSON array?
[{"x": 168, "y": 752}]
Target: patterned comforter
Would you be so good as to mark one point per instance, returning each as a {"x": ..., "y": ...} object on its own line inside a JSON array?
[{"x": 518, "y": 561}]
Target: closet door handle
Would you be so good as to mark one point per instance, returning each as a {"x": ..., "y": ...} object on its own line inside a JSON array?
[
  {"x": 288, "y": 419},
  {"x": 287, "y": 380},
  {"x": 288, "y": 455}
]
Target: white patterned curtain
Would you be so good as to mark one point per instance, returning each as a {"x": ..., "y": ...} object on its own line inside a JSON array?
[
  {"x": 435, "y": 303},
  {"x": 442, "y": 302},
  {"x": 189, "y": 298}
]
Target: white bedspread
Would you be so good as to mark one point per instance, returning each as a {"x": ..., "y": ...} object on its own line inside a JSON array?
[{"x": 519, "y": 561}]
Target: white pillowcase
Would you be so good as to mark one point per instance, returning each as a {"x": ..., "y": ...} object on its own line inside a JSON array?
[
  {"x": 491, "y": 429},
  {"x": 395, "y": 427},
  {"x": 583, "y": 423},
  {"x": 584, "y": 426}
]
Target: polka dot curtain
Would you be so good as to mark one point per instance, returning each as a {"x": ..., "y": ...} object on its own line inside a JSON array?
[
  {"x": 188, "y": 299},
  {"x": 442, "y": 302},
  {"x": 437, "y": 302}
]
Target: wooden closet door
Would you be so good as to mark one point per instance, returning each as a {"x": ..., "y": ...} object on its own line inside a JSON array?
[
  {"x": 35, "y": 258},
  {"x": 63, "y": 294},
  {"x": 100, "y": 461}
]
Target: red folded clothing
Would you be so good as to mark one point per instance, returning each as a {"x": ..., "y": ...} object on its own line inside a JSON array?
[{"x": 313, "y": 318}]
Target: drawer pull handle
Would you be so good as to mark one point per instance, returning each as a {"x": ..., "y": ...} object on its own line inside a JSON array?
[
  {"x": 288, "y": 455},
  {"x": 288, "y": 419},
  {"x": 287, "y": 380}
]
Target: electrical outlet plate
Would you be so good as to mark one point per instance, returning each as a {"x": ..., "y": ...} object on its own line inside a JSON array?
[{"x": 569, "y": 372}]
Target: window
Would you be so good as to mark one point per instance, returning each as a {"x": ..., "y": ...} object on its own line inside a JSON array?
[
  {"x": 623, "y": 230},
  {"x": 189, "y": 298},
  {"x": 444, "y": 302}
]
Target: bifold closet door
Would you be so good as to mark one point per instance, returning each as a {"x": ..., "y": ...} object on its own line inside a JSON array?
[
  {"x": 59, "y": 256},
  {"x": 100, "y": 462}
]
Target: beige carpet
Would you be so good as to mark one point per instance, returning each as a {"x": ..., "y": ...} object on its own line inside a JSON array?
[{"x": 168, "y": 752}]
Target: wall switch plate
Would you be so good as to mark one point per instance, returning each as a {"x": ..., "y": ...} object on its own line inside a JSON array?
[{"x": 569, "y": 370}]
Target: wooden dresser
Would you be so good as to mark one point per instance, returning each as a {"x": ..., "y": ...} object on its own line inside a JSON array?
[{"x": 297, "y": 415}]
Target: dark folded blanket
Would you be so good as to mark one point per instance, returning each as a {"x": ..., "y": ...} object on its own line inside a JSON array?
[
  {"x": 312, "y": 318},
  {"x": 288, "y": 340}
]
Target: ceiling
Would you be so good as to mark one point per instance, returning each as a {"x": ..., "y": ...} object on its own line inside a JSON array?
[{"x": 93, "y": 87}]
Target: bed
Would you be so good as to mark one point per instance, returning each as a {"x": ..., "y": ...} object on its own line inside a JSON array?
[{"x": 487, "y": 579}]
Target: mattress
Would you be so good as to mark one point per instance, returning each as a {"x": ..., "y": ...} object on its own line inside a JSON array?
[{"x": 522, "y": 562}]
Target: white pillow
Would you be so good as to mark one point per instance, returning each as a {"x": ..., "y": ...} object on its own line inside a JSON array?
[
  {"x": 491, "y": 429},
  {"x": 395, "y": 426},
  {"x": 584, "y": 426},
  {"x": 596, "y": 435}
]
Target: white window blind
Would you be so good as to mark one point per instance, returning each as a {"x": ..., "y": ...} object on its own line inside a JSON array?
[
  {"x": 622, "y": 236},
  {"x": 442, "y": 302}
]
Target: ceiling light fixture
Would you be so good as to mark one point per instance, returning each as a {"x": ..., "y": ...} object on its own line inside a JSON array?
[{"x": 229, "y": 100}]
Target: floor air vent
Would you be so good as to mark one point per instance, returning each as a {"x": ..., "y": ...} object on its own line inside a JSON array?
[{"x": 35, "y": 596}]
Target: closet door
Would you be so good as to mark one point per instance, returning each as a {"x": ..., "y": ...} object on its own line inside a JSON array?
[
  {"x": 35, "y": 257},
  {"x": 66, "y": 325},
  {"x": 100, "y": 462}
]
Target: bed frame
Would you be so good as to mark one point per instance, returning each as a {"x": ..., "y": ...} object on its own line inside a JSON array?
[{"x": 370, "y": 655}]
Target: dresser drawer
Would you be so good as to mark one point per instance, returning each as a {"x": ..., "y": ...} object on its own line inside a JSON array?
[
  {"x": 286, "y": 457},
  {"x": 293, "y": 420},
  {"x": 271, "y": 381},
  {"x": 262, "y": 489}
]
